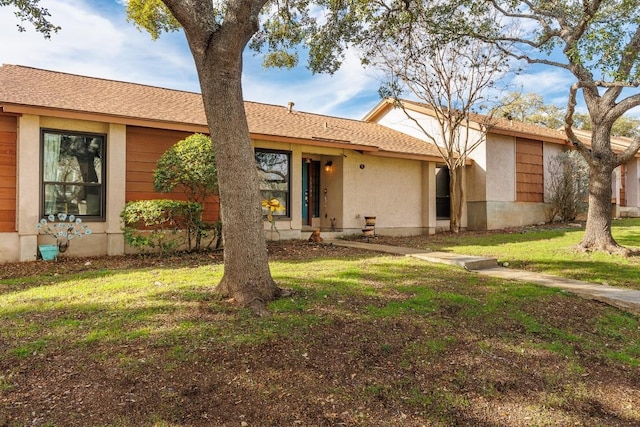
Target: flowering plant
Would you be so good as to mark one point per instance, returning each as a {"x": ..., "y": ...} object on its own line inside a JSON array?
[
  {"x": 64, "y": 228},
  {"x": 273, "y": 205}
]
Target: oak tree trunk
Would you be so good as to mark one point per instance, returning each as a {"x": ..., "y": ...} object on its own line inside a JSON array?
[
  {"x": 218, "y": 58},
  {"x": 597, "y": 236}
]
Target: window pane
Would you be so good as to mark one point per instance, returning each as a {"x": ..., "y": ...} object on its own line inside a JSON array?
[
  {"x": 73, "y": 173},
  {"x": 273, "y": 172}
]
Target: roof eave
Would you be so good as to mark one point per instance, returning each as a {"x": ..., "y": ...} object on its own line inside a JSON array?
[
  {"x": 528, "y": 135},
  {"x": 377, "y": 111},
  {"x": 313, "y": 142}
]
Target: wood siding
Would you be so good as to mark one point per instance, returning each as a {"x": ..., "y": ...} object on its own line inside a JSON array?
[
  {"x": 8, "y": 148},
  {"x": 144, "y": 147},
  {"x": 529, "y": 171}
]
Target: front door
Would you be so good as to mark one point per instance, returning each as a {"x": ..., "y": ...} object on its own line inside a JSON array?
[{"x": 310, "y": 190}]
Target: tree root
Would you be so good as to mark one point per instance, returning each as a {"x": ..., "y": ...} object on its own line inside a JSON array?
[
  {"x": 257, "y": 304},
  {"x": 610, "y": 248}
]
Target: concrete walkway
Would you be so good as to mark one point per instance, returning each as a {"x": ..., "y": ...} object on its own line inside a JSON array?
[{"x": 625, "y": 299}]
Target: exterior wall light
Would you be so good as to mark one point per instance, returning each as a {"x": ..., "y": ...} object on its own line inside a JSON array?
[{"x": 328, "y": 166}]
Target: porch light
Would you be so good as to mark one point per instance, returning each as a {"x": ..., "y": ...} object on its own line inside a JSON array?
[{"x": 328, "y": 166}]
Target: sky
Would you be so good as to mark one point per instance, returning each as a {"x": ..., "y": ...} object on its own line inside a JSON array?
[{"x": 97, "y": 41}]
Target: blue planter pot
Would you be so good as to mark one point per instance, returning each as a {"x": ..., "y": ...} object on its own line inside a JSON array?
[{"x": 48, "y": 252}]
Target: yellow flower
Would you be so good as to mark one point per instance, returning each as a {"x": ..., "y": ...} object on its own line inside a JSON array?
[{"x": 273, "y": 205}]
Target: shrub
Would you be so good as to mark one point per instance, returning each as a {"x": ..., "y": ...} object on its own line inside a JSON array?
[
  {"x": 157, "y": 224},
  {"x": 567, "y": 186},
  {"x": 189, "y": 166}
]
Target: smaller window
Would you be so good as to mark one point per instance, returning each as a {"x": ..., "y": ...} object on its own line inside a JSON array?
[
  {"x": 73, "y": 173},
  {"x": 443, "y": 197},
  {"x": 273, "y": 172}
]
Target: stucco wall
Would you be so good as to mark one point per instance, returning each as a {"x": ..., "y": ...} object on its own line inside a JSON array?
[
  {"x": 29, "y": 154},
  {"x": 395, "y": 118},
  {"x": 495, "y": 215},
  {"x": 477, "y": 175},
  {"x": 9, "y": 247},
  {"x": 501, "y": 169},
  {"x": 389, "y": 189}
]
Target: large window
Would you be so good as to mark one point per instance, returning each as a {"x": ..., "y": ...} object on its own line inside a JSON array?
[
  {"x": 73, "y": 173},
  {"x": 274, "y": 172}
]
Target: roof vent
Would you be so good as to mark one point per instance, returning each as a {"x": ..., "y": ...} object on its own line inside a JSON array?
[{"x": 290, "y": 107}]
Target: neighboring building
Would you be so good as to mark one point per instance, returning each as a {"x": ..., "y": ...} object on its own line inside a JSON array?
[
  {"x": 87, "y": 146},
  {"x": 625, "y": 186},
  {"x": 505, "y": 184}
]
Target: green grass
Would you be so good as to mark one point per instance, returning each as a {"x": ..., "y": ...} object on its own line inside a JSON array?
[
  {"x": 159, "y": 307},
  {"x": 442, "y": 336},
  {"x": 552, "y": 251}
]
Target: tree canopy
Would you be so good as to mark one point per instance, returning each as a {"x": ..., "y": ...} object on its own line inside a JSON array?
[
  {"x": 189, "y": 165},
  {"x": 30, "y": 11}
]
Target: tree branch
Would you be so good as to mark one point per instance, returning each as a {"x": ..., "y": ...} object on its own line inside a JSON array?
[{"x": 568, "y": 126}]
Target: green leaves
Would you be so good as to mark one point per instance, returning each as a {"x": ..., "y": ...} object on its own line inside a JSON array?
[
  {"x": 190, "y": 166},
  {"x": 30, "y": 11},
  {"x": 156, "y": 224},
  {"x": 152, "y": 16}
]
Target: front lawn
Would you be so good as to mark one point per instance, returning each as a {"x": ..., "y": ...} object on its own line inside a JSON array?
[{"x": 366, "y": 340}]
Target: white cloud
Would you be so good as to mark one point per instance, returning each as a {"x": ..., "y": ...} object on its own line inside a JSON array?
[
  {"x": 99, "y": 44},
  {"x": 350, "y": 92},
  {"x": 549, "y": 82}
]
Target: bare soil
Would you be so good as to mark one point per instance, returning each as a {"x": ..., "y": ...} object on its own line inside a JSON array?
[{"x": 348, "y": 370}]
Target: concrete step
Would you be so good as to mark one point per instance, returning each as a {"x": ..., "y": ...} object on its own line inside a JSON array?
[{"x": 464, "y": 261}]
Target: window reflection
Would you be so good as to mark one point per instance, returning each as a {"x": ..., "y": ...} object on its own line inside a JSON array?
[
  {"x": 73, "y": 173},
  {"x": 273, "y": 173}
]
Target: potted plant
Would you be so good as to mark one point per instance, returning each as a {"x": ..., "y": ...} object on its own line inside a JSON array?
[{"x": 63, "y": 228}]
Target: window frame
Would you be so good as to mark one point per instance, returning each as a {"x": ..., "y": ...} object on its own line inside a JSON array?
[
  {"x": 101, "y": 184},
  {"x": 286, "y": 215}
]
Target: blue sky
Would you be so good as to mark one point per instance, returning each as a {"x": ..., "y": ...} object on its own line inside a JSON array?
[{"x": 96, "y": 40}]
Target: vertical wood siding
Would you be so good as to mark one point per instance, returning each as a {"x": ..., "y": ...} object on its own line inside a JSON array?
[
  {"x": 8, "y": 148},
  {"x": 144, "y": 147},
  {"x": 529, "y": 171}
]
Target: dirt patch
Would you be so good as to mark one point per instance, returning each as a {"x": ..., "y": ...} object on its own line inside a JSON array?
[{"x": 278, "y": 250}]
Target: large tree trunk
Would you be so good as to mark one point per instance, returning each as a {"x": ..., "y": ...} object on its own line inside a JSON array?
[
  {"x": 597, "y": 236},
  {"x": 456, "y": 194},
  {"x": 246, "y": 270},
  {"x": 218, "y": 58}
]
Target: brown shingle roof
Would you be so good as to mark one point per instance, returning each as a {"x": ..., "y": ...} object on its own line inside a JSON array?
[
  {"x": 34, "y": 87},
  {"x": 42, "y": 88}
]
